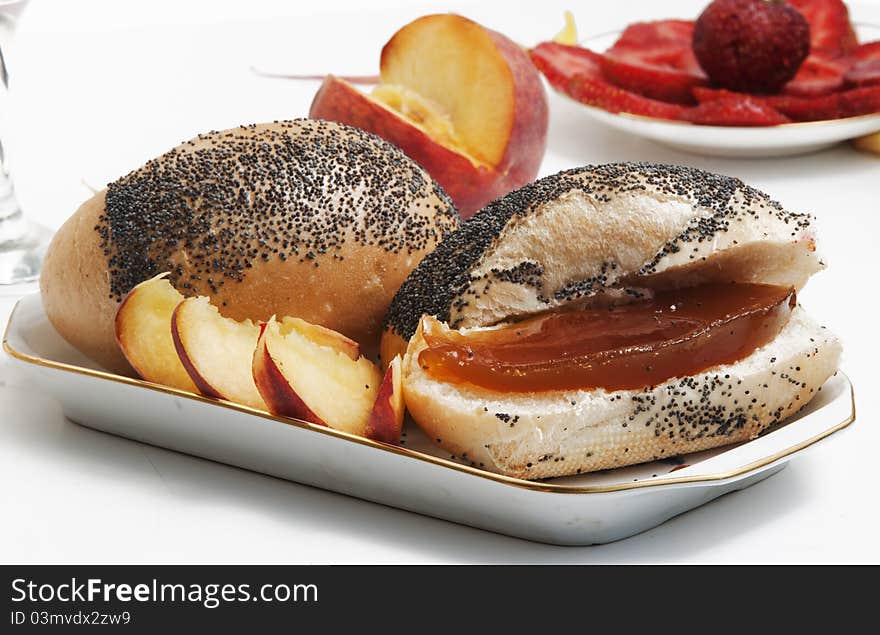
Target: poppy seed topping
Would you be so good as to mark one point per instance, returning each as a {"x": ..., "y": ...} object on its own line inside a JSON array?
[
  {"x": 454, "y": 277},
  {"x": 216, "y": 206}
]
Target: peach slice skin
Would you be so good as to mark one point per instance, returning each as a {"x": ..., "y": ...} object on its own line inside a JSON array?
[
  {"x": 274, "y": 388},
  {"x": 221, "y": 371},
  {"x": 386, "y": 419},
  {"x": 301, "y": 378}
]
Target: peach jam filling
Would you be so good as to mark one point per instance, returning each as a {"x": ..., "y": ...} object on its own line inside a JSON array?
[{"x": 676, "y": 333}]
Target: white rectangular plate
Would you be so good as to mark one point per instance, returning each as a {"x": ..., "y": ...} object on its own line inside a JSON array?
[{"x": 575, "y": 510}]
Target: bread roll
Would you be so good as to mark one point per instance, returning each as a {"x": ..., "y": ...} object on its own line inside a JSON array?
[
  {"x": 540, "y": 435},
  {"x": 602, "y": 234},
  {"x": 304, "y": 218},
  {"x": 570, "y": 236}
]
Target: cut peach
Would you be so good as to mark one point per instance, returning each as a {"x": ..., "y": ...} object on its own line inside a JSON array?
[
  {"x": 216, "y": 351},
  {"x": 322, "y": 336},
  {"x": 143, "y": 331},
  {"x": 301, "y": 378},
  {"x": 386, "y": 418},
  {"x": 463, "y": 101},
  {"x": 456, "y": 64}
]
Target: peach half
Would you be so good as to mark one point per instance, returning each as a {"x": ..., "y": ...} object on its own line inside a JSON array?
[{"x": 463, "y": 101}]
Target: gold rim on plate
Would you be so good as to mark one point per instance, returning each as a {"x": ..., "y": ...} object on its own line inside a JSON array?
[{"x": 419, "y": 456}]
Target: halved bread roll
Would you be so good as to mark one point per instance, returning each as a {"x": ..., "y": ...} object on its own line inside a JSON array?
[
  {"x": 609, "y": 235},
  {"x": 544, "y": 434}
]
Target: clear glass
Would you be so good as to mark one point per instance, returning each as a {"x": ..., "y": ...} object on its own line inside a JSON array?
[{"x": 22, "y": 242}]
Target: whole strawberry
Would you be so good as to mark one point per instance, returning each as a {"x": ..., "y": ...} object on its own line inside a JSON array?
[{"x": 752, "y": 46}]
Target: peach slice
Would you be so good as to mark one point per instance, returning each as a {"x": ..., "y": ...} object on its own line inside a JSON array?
[
  {"x": 301, "y": 378},
  {"x": 216, "y": 351},
  {"x": 322, "y": 336},
  {"x": 143, "y": 332},
  {"x": 386, "y": 418},
  {"x": 463, "y": 101}
]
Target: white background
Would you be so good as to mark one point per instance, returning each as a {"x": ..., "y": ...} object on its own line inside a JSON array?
[{"x": 101, "y": 86}]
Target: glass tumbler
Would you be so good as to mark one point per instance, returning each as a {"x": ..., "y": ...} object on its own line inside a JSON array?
[{"x": 22, "y": 242}]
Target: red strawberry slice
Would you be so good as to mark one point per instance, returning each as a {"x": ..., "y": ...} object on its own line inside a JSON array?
[
  {"x": 849, "y": 103},
  {"x": 597, "y": 92},
  {"x": 655, "y": 59},
  {"x": 831, "y": 32},
  {"x": 815, "y": 108},
  {"x": 663, "y": 44},
  {"x": 702, "y": 94},
  {"x": 866, "y": 73},
  {"x": 796, "y": 108},
  {"x": 738, "y": 110},
  {"x": 866, "y": 51},
  {"x": 818, "y": 75},
  {"x": 865, "y": 70},
  {"x": 859, "y": 101},
  {"x": 652, "y": 36},
  {"x": 575, "y": 71},
  {"x": 653, "y": 81},
  {"x": 560, "y": 62}
]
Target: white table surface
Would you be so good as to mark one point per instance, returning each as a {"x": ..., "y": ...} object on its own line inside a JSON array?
[{"x": 101, "y": 86}]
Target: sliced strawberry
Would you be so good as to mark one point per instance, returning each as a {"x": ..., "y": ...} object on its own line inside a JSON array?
[
  {"x": 831, "y": 32},
  {"x": 865, "y": 70},
  {"x": 866, "y": 51},
  {"x": 794, "y": 107},
  {"x": 652, "y": 36},
  {"x": 663, "y": 44},
  {"x": 866, "y": 73},
  {"x": 598, "y": 92},
  {"x": 655, "y": 59},
  {"x": 815, "y": 108},
  {"x": 859, "y": 101},
  {"x": 739, "y": 110},
  {"x": 849, "y": 103},
  {"x": 653, "y": 81},
  {"x": 702, "y": 94},
  {"x": 560, "y": 62},
  {"x": 576, "y": 71},
  {"x": 818, "y": 75}
]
